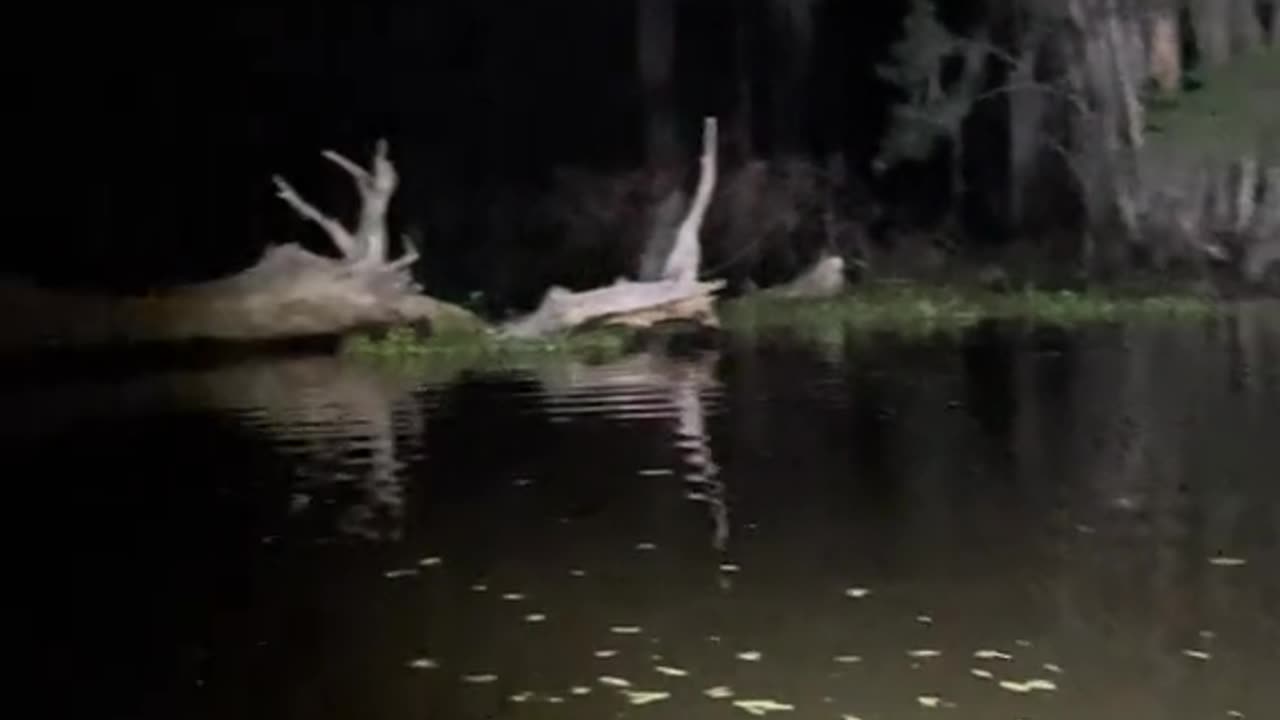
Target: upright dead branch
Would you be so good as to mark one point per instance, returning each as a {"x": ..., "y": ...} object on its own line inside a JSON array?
[
  {"x": 368, "y": 244},
  {"x": 685, "y": 259},
  {"x": 675, "y": 294}
]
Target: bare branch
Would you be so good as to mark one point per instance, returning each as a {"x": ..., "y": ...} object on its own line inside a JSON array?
[
  {"x": 410, "y": 255},
  {"x": 339, "y": 234},
  {"x": 686, "y": 255},
  {"x": 361, "y": 176}
]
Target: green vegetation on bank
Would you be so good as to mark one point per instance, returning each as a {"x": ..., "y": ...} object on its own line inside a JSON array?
[
  {"x": 900, "y": 308},
  {"x": 908, "y": 309},
  {"x": 483, "y": 348}
]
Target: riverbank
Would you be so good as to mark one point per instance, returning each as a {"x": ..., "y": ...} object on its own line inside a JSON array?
[{"x": 901, "y": 308}]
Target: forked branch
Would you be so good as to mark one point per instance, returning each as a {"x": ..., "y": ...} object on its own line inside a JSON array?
[{"x": 346, "y": 244}]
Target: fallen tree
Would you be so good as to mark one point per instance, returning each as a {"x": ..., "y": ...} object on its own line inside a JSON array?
[
  {"x": 289, "y": 293},
  {"x": 672, "y": 293},
  {"x": 292, "y": 292}
]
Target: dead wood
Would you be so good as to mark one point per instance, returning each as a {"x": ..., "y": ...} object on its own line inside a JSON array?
[{"x": 675, "y": 294}]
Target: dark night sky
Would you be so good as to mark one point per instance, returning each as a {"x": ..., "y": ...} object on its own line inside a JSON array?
[{"x": 146, "y": 138}]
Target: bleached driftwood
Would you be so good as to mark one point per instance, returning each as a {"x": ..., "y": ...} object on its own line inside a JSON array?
[
  {"x": 823, "y": 279},
  {"x": 289, "y": 292},
  {"x": 676, "y": 294}
]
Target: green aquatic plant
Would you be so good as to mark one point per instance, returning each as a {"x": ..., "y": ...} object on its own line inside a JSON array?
[
  {"x": 486, "y": 349},
  {"x": 923, "y": 310}
]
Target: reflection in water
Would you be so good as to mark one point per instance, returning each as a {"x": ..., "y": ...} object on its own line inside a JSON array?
[{"x": 1048, "y": 526}]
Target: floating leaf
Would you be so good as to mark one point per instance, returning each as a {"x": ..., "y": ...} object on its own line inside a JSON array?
[
  {"x": 671, "y": 671},
  {"x": 857, "y": 592},
  {"x": 1225, "y": 561},
  {"x": 579, "y": 690},
  {"x": 400, "y": 573},
  {"x": 1197, "y": 654},
  {"x": 605, "y": 653},
  {"x": 646, "y": 546},
  {"x": 535, "y": 617},
  {"x": 1053, "y": 668},
  {"x": 423, "y": 663},
  {"x": 729, "y": 568},
  {"x": 612, "y": 681},
  {"x": 750, "y": 655},
  {"x": 924, "y": 653},
  {"x": 924, "y": 619},
  {"x": 432, "y": 561},
  {"x": 638, "y": 697},
  {"x": 626, "y": 630},
  {"x": 992, "y": 655},
  {"x": 513, "y": 596},
  {"x": 929, "y": 701},
  {"x": 480, "y": 679},
  {"x": 762, "y": 707},
  {"x": 521, "y": 697},
  {"x": 1028, "y": 686},
  {"x": 848, "y": 659},
  {"x": 719, "y": 692},
  {"x": 984, "y": 674}
]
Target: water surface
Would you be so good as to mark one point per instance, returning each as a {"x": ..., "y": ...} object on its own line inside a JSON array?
[{"x": 1045, "y": 525}]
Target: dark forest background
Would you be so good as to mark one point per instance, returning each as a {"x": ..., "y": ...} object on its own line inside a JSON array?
[{"x": 142, "y": 139}]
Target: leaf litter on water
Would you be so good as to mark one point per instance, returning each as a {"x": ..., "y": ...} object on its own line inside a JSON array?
[
  {"x": 719, "y": 692},
  {"x": 1028, "y": 686},
  {"x": 644, "y": 697},
  {"x": 762, "y": 707},
  {"x": 992, "y": 655}
]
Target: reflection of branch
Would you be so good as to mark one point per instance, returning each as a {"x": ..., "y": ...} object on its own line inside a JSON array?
[{"x": 692, "y": 436}]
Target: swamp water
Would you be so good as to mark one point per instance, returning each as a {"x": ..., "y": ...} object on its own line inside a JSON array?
[{"x": 1055, "y": 524}]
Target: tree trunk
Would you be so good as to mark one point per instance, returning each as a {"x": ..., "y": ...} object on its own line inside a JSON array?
[
  {"x": 1166, "y": 48},
  {"x": 1246, "y": 28},
  {"x": 1026, "y": 123},
  {"x": 1275, "y": 24},
  {"x": 655, "y": 55},
  {"x": 1211, "y": 20}
]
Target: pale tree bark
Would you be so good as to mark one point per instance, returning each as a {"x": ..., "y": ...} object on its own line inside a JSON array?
[
  {"x": 686, "y": 257},
  {"x": 676, "y": 294},
  {"x": 1262, "y": 258},
  {"x": 823, "y": 279},
  {"x": 1166, "y": 47}
]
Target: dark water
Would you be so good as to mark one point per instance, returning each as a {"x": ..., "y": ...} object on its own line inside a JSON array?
[{"x": 301, "y": 538}]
